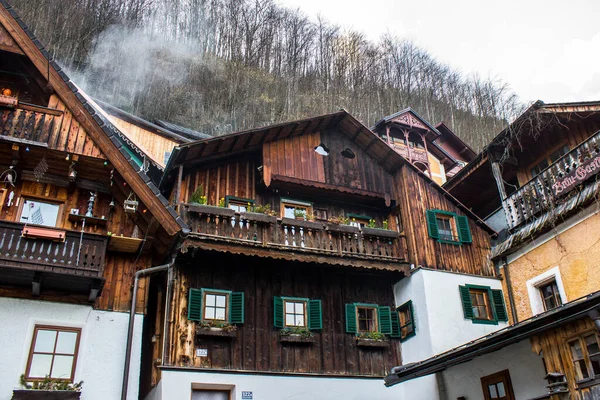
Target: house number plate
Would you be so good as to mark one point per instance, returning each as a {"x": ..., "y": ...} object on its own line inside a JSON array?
[
  {"x": 201, "y": 352},
  {"x": 247, "y": 395}
]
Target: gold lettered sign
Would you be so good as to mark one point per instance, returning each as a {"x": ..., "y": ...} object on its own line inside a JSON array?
[{"x": 585, "y": 171}]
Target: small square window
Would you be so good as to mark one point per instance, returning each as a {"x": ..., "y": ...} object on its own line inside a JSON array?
[
  {"x": 480, "y": 301},
  {"x": 215, "y": 306},
  {"x": 358, "y": 221},
  {"x": 446, "y": 228},
  {"x": 367, "y": 319},
  {"x": 53, "y": 353},
  {"x": 36, "y": 212},
  {"x": 291, "y": 208},
  {"x": 405, "y": 316},
  {"x": 585, "y": 354},
  {"x": 550, "y": 295},
  {"x": 239, "y": 204},
  {"x": 295, "y": 313}
]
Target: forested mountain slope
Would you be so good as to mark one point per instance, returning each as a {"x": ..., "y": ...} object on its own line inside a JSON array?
[{"x": 223, "y": 65}]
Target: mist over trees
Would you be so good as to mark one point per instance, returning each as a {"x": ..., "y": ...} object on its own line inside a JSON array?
[{"x": 224, "y": 65}]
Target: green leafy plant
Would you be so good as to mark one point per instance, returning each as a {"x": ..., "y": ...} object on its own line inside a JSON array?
[
  {"x": 299, "y": 213},
  {"x": 385, "y": 224},
  {"x": 370, "y": 335},
  {"x": 222, "y": 202},
  {"x": 266, "y": 209},
  {"x": 371, "y": 223},
  {"x": 198, "y": 196},
  {"x": 226, "y": 326},
  {"x": 341, "y": 220},
  {"x": 50, "y": 384},
  {"x": 296, "y": 330}
]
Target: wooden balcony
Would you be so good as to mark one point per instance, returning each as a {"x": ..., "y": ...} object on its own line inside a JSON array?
[
  {"x": 222, "y": 229},
  {"x": 31, "y": 124},
  {"x": 416, "y": 154},
  {"x": 74, "y": 263},
  {"x": 549, "y": 187}
]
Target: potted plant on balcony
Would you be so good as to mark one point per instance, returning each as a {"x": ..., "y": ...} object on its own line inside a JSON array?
[
  {"x": 216, "y": 328},
  {"x": 371, "y": 230},
  {"x": 47, "y": 389},
  {"x": 259, "y": 213},
  {"x": 197, "y": 203},
  {"x": 341, "y": 224},
  {"x": 371, "y": 339},
  {"x": 299, "y": 214},
  {"x": 296, "y": 334}
]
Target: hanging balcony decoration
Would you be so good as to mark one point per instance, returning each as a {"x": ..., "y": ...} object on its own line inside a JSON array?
[{"x": 130, "y": 205}]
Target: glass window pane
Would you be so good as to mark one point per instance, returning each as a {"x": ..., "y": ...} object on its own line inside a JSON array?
[
  {"x": 44, "y": 342},
  {"x": 220, "y": 314},
  {"x": 596, "y": 364},
  {"x": 210, "y": 300},
  {"x": 289, "y": 308},
  {"x": 299, "y": 320},
  {"x": 220, "y": 301},
  {"x": 289, "y": 320},
  {"x": 576, "y": 350},
  {"x": 39, "y": 213},
  {"x": 299, "y": 308},
  {"x": 582, "y": 369},
  {"x": 40, "y": 365},
  {"x": 288, "y": 211},
  {"x": 66, "y": 342},
  {"x": 592, "y": 344},
  {"x": 209, "y": 313},
  {"x": 493, "y": 391},
  {"x": 500, "y": 387},
  {"x": 62, "y": 367}
]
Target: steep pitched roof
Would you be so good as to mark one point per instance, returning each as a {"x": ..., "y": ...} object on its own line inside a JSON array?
[
  {"x": 105, "y": 135},
  {"x": 404, "y": 111},
  {"x": 190, "y": 134}
]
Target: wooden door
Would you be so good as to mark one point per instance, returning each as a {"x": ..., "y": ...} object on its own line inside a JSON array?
[{"x": 497, "y": 386}]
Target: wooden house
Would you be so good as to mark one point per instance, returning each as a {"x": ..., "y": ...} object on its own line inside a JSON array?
[
  {"x": 316, "y": 260},
  {"x": 436, "y": 151},
  {"x": 537, "y": 184},
  {"x": 79, "y": 215}
]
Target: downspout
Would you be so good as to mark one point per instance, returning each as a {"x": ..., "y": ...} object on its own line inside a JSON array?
[
  {"x": 138, "y": 274},
  {"x": 511, "y": 299}
]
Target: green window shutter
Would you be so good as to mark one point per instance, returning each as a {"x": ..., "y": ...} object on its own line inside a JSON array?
[
  {"x": 385, "y": 319},
  {"x": 466, "y": 302},
  {"x": 464, "y": 233},
  {"x": 432, "y": 225},
  {"x": 315, "y": 315},
  {"x": 236, "y": 308},
  {"x": 195, "y": 305},
  {"x": 351, "y": 318},
  {"x": 278, "y": 312},
  {"x": 395, "y": 325},
  {"x": 499, "y": 306}
]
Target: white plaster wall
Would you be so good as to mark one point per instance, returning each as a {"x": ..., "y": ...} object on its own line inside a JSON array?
[
  {"x": 101, "y": 348},
  {"x": 178, "y": 385},
  {"x": 525, "y": 367}
]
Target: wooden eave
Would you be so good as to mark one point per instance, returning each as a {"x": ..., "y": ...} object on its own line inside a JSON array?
[{"x": 86, "y": 116}]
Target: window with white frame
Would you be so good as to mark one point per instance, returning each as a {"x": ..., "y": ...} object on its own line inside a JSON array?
[{"x": 546, "y": 291}]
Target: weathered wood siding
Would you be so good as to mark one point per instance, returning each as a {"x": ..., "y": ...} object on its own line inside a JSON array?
[
  {"x": 415, "y": 196},
  {"x": 257, "y": 346},
  {"x": 149, "y": 142},
  {"x": 557, "y": 355},
  {"x": 295, "y": 157},
  {"x": 7, "y": 42}
]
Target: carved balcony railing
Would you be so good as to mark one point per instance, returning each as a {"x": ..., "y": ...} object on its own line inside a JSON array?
[
  {"x": 81, "y": 255},
  {"x": 546, "y": 189},
  {"x": 415, "y": 154},
  {"x": 29, "y": 125},
  {"x": 300, "y": 237}
]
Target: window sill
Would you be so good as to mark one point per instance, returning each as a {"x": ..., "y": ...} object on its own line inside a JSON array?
[
  {"x": 27, "y": 394},
  {"x": 586, "y": 383},
  {"x": 484, "y": 321},
  {"x": 216, "y": 332},
  {"x": 296, "y": 339},
  {"x": 372, "y": 343},
  {"x": 452, "y": 242}
]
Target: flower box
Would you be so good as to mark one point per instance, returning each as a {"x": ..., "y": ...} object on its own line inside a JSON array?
[
  {"x": 342, "y": 228},
  {"x": 379, "y": 232},
  {"x": 302, "y": 223},
  {"x": 219, "y": 332},
  {"x": 212, "y": 210},
  {"x": 31, "y": 394},
  {"x": 258, "y": 217},
  {"x": 36, "y": 232},
  {"x": 372, "y": 343},
  {"x": 293, "y": 338}
]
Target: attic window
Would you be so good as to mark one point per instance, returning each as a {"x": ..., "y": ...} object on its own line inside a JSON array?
[
  {"x": 348, "y": 153},
  {"x": 322, "y": 150}
]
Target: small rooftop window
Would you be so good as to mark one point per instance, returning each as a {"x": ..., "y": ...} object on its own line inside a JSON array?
[
  {"x": 322, "y": 150},
  {"x": 348, "y": 153}
]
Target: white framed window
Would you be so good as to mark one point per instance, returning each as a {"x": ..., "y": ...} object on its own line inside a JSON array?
[{"x": 546, "y": 291}]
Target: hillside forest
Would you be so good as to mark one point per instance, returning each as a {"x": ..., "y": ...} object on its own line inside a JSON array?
[{"x": 219, "y": 66}]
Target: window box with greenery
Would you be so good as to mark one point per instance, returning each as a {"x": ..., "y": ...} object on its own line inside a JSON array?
[
  {"x": 301, "y": 223},
  {"x": 48, "y": 389},
  {"x": 371, "y": 230},
  {"x": 217, "y": 312},
  {"x": 448, "y": 227},
  {"x": 483, "y": 305},
  {"x": 297, "y": 318},
  {"x": 341, "y": 224},
  {"x": 370, "y": 323}
]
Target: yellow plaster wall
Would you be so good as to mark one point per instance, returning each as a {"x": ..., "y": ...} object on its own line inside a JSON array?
[{"x": 577, "y": 254}]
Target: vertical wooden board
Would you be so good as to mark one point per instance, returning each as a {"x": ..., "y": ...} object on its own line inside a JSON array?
[
  {"x": 223, "y": 184},
  {"x": 61, "y": 143},
  {"x": 72, "y": 136},
  {"x": 80, "y": 141}
]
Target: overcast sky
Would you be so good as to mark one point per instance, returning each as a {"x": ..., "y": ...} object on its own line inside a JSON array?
[{"x": 545, "y": 50}]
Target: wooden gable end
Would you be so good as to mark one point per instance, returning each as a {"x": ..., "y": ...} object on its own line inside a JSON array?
[
  {"x": 415, "y": 196},
  {"x": 295, "y": 160},
  {"x": 410, "y": 119},
  {"x": 7, "y": 43}
]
